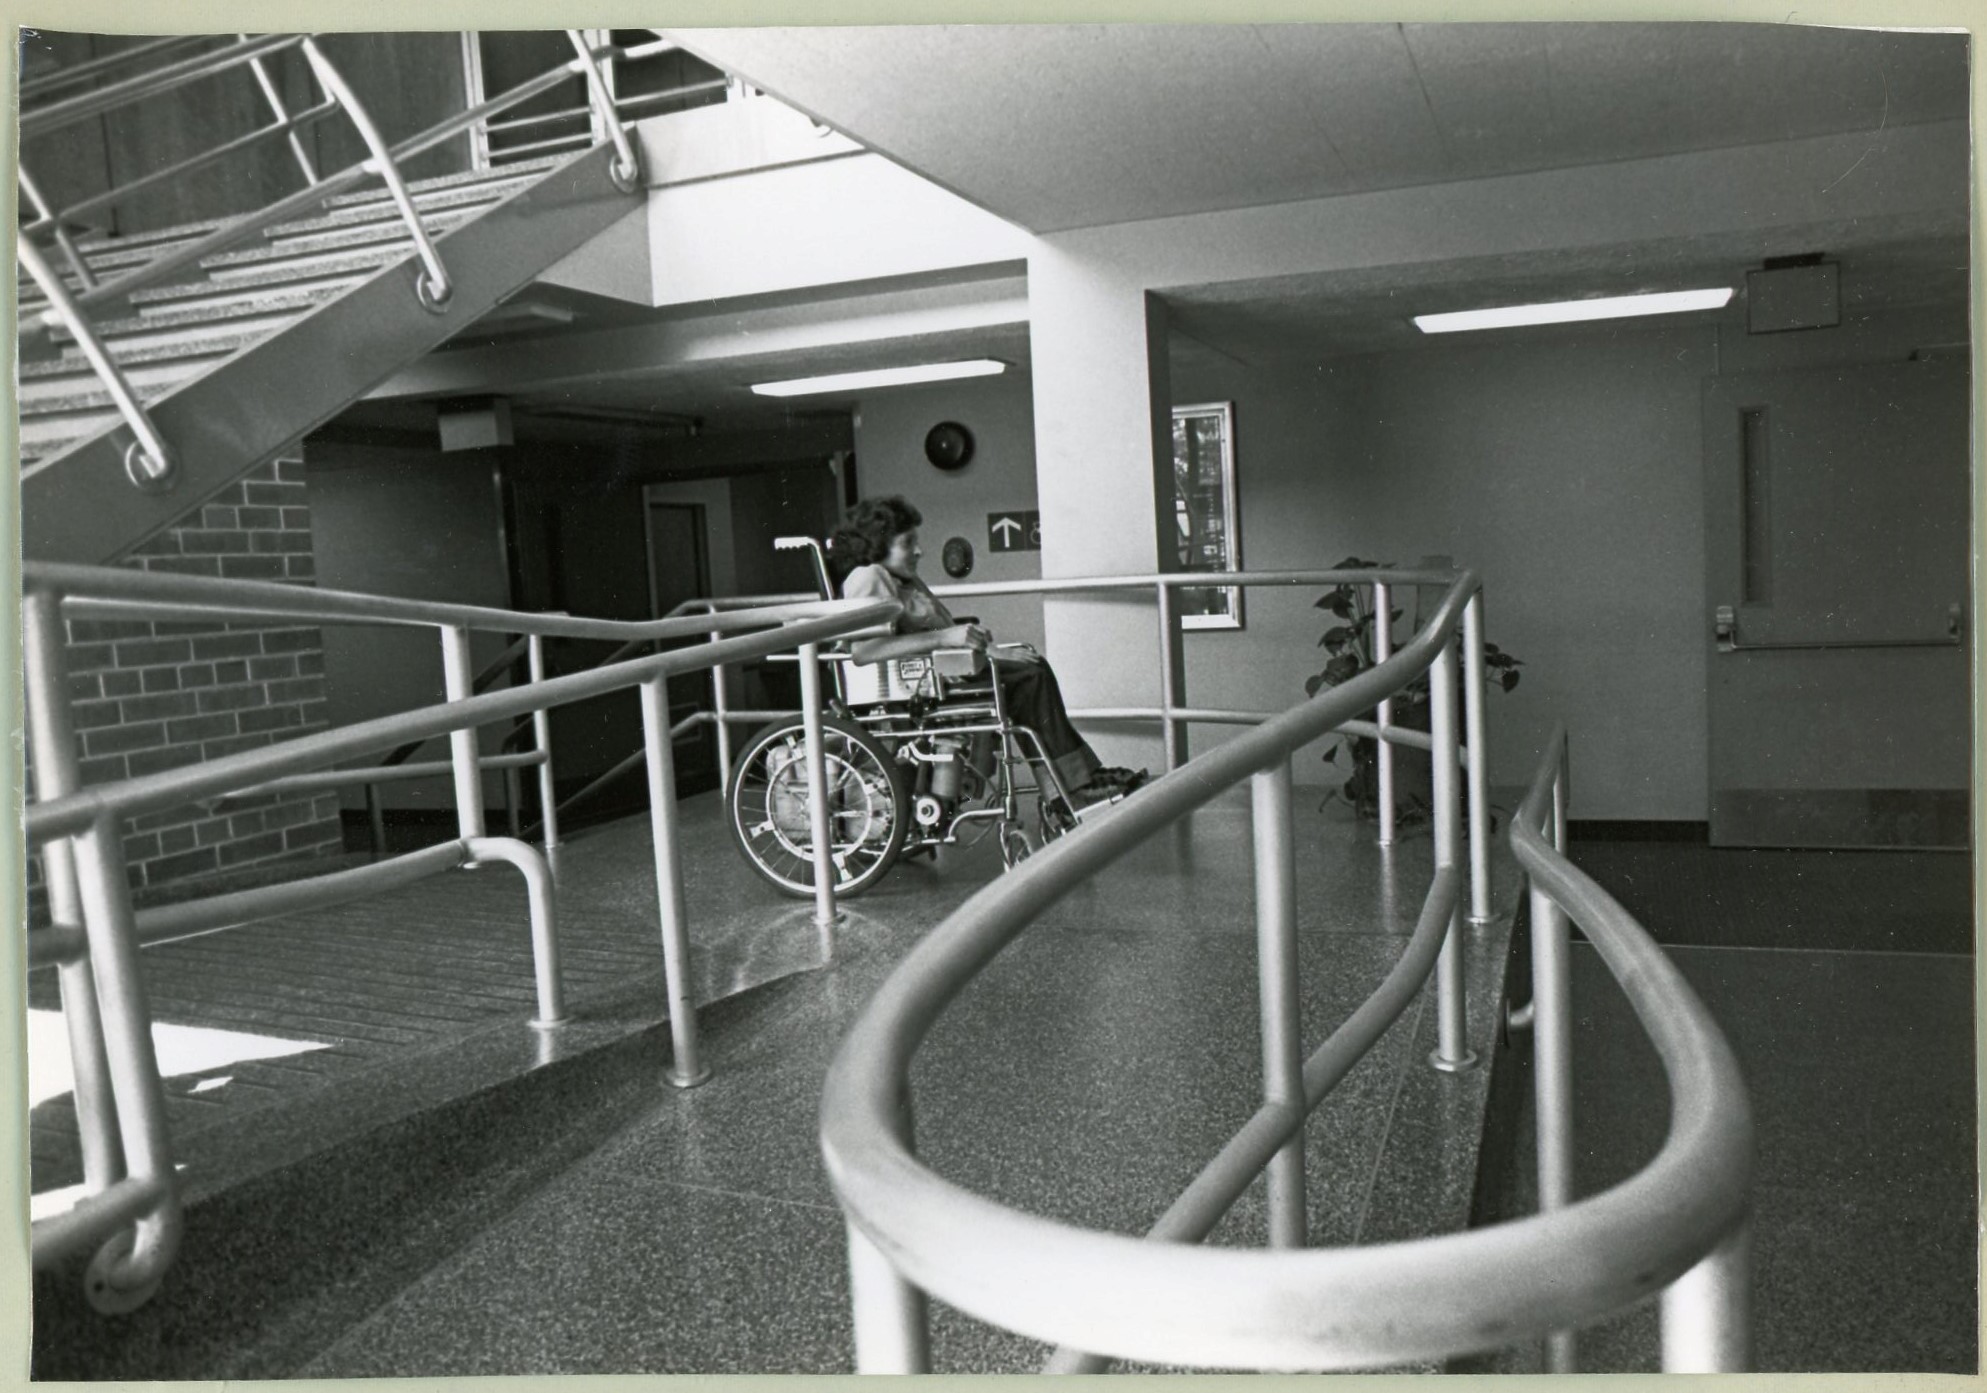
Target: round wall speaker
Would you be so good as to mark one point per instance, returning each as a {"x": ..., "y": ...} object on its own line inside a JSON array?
[
  {"x": 957, "y": 557},
  {"x": 949, "y": 445}
]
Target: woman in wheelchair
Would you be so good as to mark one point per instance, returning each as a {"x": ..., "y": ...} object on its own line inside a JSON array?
[
  {"x": 913, "y": 761},
  {"x": 877, "y": 549}
]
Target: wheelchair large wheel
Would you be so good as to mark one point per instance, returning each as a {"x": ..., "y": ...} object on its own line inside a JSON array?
[{"x": 772, "y": 817}]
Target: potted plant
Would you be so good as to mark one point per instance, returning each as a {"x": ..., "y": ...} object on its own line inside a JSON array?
[{"x": 1350, "y": 644}]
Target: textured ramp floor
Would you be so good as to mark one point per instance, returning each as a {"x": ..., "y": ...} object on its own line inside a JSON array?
[
  {"x": 584, "y": 1218},
  {"x": 425, "y": 972}
]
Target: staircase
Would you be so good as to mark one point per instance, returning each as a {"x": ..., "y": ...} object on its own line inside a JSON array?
[{"x": 242, "y": 352}]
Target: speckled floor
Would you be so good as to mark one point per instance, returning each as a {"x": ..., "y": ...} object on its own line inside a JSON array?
[
  {"x": 1861, "y": 1067},
  {"x": 584, "y": 1218}
]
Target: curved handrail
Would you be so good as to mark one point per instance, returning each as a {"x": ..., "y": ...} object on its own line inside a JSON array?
[{"x": 1281, "y": 1309}]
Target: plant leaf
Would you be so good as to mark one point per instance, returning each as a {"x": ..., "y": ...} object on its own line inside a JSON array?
[{"x": 1510, "y": 680}]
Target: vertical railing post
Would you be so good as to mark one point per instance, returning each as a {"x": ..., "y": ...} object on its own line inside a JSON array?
[
  {"x": 892, "y": 1322},
  {"x": 1383, "y": 649},
  {"x": 1172, "y": 734},
  {"x": 282, "y": 113},
  {"x": 458, "y": 683},
  {"x": 1276, "y": 969},
  {"x": 541, "y": 741},
  {"x": 52, "y": 741},
  {"x": 685, "y": 1071},
  {"x": 817, "y": 786},
  {"x": 513, "y": 796},
  {"x": 375, "y": 822},
  {"x": 1476, "y": 754},
  {"x": 1707, "y": 1312},
  {"x": 103, "y": 886},
  {"x": 1552, "y": 1074},
  {"x": 720, "y": 711},
  {"x": 1452, "y": 1053}
]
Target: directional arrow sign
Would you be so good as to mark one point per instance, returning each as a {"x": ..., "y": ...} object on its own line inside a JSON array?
[{"x": 1018, "y": 529}]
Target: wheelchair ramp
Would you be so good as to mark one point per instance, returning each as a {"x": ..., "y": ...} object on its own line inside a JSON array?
[{"x": 581, "y": 1217}]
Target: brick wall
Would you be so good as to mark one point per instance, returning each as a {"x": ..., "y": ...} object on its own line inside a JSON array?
[{"x": 151, "y": 696}]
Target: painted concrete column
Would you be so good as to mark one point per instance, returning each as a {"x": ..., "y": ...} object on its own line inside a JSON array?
[{"x": 1104, "y": 477}]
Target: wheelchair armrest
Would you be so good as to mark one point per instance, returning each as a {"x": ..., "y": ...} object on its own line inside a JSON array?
[{"x": 956, "y": 662}]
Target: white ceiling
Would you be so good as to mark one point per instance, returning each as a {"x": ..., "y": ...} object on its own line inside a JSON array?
[
  {"x": 1065, "y": 126},
  {"x": 1059, "y": 127}
]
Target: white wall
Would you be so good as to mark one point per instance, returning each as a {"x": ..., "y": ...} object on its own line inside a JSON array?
[
  {"x": 890, "y": 432},
  {"x": 1566, "y": 467}
]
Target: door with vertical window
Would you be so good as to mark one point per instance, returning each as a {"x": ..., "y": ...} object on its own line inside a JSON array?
[{"x": 1836, "y": 588}]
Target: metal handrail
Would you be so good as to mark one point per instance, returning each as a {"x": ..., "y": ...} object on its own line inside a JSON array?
[
  {"x": 305, "y": 163},
  {"x": 248, "y": 224},
  {"x": 287, "y": 125},
  {"x": 72, "y": 813},
  {"x": 109, "y": 592},
  {"x": 911, "y": 1231},
  {"x": 96, "y": 934},
  {"x": 68, "y": 112},
  {"x": 73, "y": 74},
  {"x": 1173, "y": 715},
  {"x": 436, "y": 287},
  {"x": 148, "y": 460},
  {"x": 626, "y": 171}
]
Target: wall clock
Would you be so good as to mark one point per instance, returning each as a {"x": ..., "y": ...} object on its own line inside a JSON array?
[{"x": 949, "y": 445}]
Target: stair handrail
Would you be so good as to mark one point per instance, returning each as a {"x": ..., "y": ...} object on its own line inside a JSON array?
[
  {"x": 626, "y": 171},
  {"x": 71, "y": 74},
  {"x": 274, "y": 98},
  {"x": 246, "y": 225},
  {"x": 144, "y": 86},
  {"x": 436, "y": 287},
  {"x": 148, "y": 459},
  {"x": 1678, "y": 1224}
]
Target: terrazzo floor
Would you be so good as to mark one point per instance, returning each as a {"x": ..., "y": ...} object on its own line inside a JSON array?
[
  {"x": 1860, "y": 1061},
  {"x": 591, "y": 1220}
]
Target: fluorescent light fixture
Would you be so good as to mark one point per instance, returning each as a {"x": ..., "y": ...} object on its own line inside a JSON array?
[
  {"x": 1570, "y": 311},
  {"x": 881, "y": 377}
]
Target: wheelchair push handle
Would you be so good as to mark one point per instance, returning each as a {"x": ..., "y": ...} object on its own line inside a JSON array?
[{"x": 821, "y": 576}]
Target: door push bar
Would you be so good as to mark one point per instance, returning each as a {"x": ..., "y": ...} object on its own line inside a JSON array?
[{"x": 1725, "y": 625}]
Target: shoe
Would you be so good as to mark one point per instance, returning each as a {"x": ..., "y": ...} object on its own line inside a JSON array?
[{"x": 1118, "y": 780}]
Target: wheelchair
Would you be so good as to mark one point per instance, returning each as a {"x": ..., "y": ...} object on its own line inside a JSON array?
[{"x": 920, "y": 754}]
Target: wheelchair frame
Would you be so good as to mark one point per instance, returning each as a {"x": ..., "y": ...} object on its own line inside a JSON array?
[{"x": 913, "y": 708}]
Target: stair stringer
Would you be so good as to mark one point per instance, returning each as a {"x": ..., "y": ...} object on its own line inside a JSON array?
[{"x": 81, "y": 506}]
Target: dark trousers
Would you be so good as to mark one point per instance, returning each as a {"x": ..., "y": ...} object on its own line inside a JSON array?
[{"x": 1031, "y": 697}]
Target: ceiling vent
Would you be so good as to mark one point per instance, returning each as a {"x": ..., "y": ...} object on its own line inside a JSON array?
[{"x": 1793, "y": 292}]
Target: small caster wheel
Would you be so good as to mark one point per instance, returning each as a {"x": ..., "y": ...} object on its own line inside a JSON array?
[
  {"x": 1014, "y": 845},
  {"x": 100, "y": 1280}
]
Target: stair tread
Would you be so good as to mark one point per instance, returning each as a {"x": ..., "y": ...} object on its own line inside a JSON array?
[
  {"x": 522, "y": 169},
  {"x": 332, "y": 272},
  {"x": 365, "y": 234},
  {"x": 202, "y": 341},
  {"x": 281, "y": 306},
  {"x": 38, "y": 390},
  {"x": 374, "y": 211}
]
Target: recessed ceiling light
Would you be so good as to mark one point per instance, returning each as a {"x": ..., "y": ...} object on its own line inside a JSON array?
[
  {"x": 1570, "y": 311},
  {"x": 881, "y": 377}
]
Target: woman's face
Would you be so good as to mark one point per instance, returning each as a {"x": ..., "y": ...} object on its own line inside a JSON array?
[{"x": 902, "y": 557}]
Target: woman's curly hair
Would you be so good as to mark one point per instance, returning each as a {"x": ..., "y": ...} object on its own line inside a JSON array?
[{"x": 864, "y": 536}]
